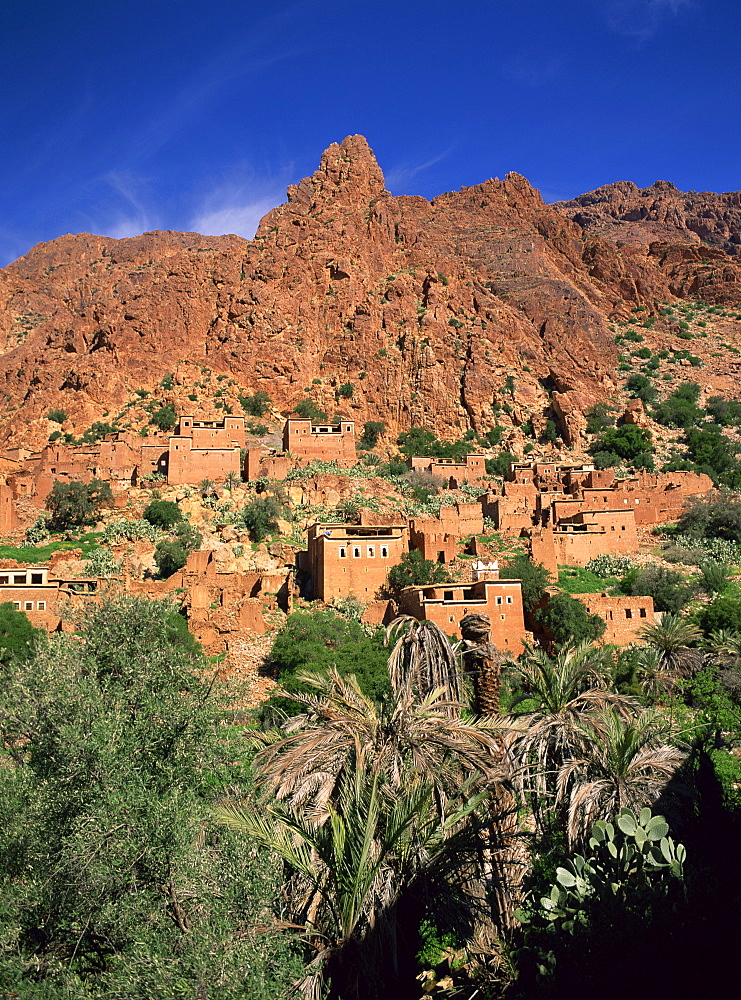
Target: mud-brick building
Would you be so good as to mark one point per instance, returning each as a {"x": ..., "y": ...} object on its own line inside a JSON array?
[
  {"x": 40, "y": 593},
  {"x": 353, "y": 559},
  {"x": 205, "y": 449},
  {"x": 474, "y": 467},
  {"x": 308, "y": 442},
  {"x": 584, "y": 536},
  {"x": 624, "y": 616},
  {"x": 446, "y": 604}
]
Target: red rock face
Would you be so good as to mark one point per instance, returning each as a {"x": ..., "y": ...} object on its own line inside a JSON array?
[{"x": 424, "y": 308}]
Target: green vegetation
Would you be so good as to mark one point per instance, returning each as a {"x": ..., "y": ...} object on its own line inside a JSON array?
[
  {"x": 115, "y": 881},
  {"x": 165, "y": 418},
  {"x": 669, "y": 589},
  {"x": 421, "y": 442},
  {"x": 162, "y": 513},
  {"x": 19, "y": 640},
  {"x": 680, "y": 408},
  {"x": 260, "y": 516},
  {"x": 623, "y": 444},
  {"x": 58, "y": 416},
  {"x": 533, "y": 576},
  {"x": 308, "y": 410},
  {"x": 600, "y": 418},
  {"x": 256, "y": 405},
  {"x": 413, "y": 570},
  {"x": 372, "y": 431},
  {"x": 567, "y": 620},
  {"x": 171, "y": 554},
  {"x": 74, "y": 504}
]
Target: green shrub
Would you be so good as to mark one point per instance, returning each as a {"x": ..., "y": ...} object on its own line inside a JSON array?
[
  {"x": 256, "y": 405},
  {"x": 680, "y": 408},
  {"x": 346, "y": 390},
  {"x": 74, "y": 504},
  {"x": 634, "y": 444},
  {"x": 415, "y": 571},
  {"x": 640, "y": 387},
  {"x": 567, "y": 620},
  {"x": 668, "y": 588},
  {"x": 599, "y": 418},
  {"x": 372, "y": 430},
  {"x": 533, "y": 576},
  {"x": 164, "y": 418},
  {"x": 308, "y": 410},
  {"x": 499, "y": 466},
  {"x": 162, "y": 513},
  {"x": 260, "y": 517},
  {"x": 58, "y": 416}
]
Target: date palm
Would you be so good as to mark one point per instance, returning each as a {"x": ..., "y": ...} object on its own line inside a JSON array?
[
  {"x": 621, "y": 764},
  {"x": 672, "y": 638},
  {"x": 563, "y": 690}
]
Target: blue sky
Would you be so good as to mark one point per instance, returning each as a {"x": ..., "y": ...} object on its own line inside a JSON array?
[{"x": 195, "y": 114}]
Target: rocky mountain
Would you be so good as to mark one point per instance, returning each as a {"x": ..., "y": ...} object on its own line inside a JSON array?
[{"x": 481, "y": 306}]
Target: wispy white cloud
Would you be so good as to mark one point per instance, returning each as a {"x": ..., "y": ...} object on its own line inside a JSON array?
[
  {"x": 237, "y": 203},
  {"x": 399, "y": 176},
  {"x": 128, "y": 212},
  {"x": 640, "y": 20}
]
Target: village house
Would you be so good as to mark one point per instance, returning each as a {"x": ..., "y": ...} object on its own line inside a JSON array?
[
  {"x": 352, "y": 560},
  {"x": 307, "y": 442},
  {"x": 453, "y": 471},
  {"x": 446, "y": 604},
  {"x": 41, "y": 594},
  {"x": 624, "y": 616}
]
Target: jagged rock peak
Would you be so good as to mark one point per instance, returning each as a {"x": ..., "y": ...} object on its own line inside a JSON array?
[{"x": 348, "y": 173}]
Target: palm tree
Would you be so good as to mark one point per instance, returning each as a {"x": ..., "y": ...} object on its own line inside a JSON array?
[
  {"x": 422, "y": 660},
  {"x": 672, "y": 638},
  {"x": 726, "y": 645},
  {"x": 231, "y": 480},
  {"x": 483, "y": 662},
  {"x": 622, "y": 764},
  {"x": 304, "y": 762},
  {"x": 564, "y": 689},
  {"x": 351, "y": 871}
]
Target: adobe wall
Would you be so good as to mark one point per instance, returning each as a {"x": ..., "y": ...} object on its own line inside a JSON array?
[
  {"x": 429, "y": 537},
  {"x": 350, "y": 560},
  {"x": 624, "y": 616},
  {"x": 463, "y": 518},
  {"x": 8, "y": 516},
  {"x": 225, "y": 433},
  {"x": 447, "y": 604},
  {"x": 323, "y": 442},
  {"x": 262, "y": 463},
  {"x": 187, "y": 464}
]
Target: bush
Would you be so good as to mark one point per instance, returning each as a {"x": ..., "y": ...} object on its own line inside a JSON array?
[
  {"x": 58, "y": 416},
  {"x": 169, "y": 557},
  {"x": 421, "y": 442},
  {"x": 256, "y": 405},
  {"x": 631, "y": 443},
  {"x": 74, "y": 504},
  {"x": 162, "y": 513},
  {"x": 18, "y": 638},
  {"x": 606, "y": 565},
  {"x": 492, "y": 437},
  {"x": 567, "y": 620},
  {"x": 164, "y": 418},
  {"x": 318, "y": 640},
  {"x": 680, "y": 408},
  {"x": 415, "y": 571},
  {"x": 308, "y": 410},
  {"x": 533, "y": 576},
  {"x": 641, "y": 387},
  {"x": 372, "y": 430},
  {"x": 600, "y": 418},
  {"x": 722, "y": 613},
  {"x": 725, "y": 412},
  {"x": 346, "y": 390},
  {"x": 499, "y": 466},
  {"x": 713, "y": 453},
  {"x": 714, "y": 576},
  {"x": 260, "y": 517},
  {"x": 668, "y": 588},
  {"x": 714, "y": 517}
]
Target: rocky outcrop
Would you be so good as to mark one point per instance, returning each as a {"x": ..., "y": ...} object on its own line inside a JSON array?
[{"x": 483, "y": 305}]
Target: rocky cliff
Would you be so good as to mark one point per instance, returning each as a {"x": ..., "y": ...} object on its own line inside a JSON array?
[{"x": 398, "y": 309}]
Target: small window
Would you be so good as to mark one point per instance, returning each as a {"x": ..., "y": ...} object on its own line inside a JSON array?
[
  {"x": 17, "y": 605},
  {"x": 509, "y": 600},
  {"x": 448, "y": 596},
  {"x": 20, "y": 579},
  {"x": 37, "y": 578},
  {"x": 450, "y": 619},
  {"x": 28, "y": 606},
  {"x": 371, "y": 552},
  {"x": 642, "y": 612},
  {"x": 628, "y": 613},
  {"x": 499, "y": 600},
  {"x": 343, "y": 552},
  {"x": 384, "y": 552},
  {"x": 4, "y": 580},
  {"x": 622, "y": 527},
  {"x": 356, "y": 552},
  {"x": 41, "y": 605}
]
